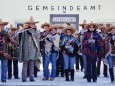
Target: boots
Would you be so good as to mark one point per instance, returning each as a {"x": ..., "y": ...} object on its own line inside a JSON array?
[
  {"x": 72, "y": 74},
  {"x": 67, "y": 74},
  {"x": 111, "y": 74}
]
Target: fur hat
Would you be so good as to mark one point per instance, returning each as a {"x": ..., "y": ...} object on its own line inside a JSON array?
[
  {"x": 3, "y": 23},
  {"x": 31, "y": 21},
  {"x": 45, "y": 24},
  {"x": 72, "y": 29}
]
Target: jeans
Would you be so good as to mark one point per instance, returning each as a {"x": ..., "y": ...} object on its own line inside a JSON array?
[
  {"x": 52, "y": 57},
  {"x": 110, "y": 60},
  {"x": 4, "y": 69},
  {"x": 68, "y": 62}
]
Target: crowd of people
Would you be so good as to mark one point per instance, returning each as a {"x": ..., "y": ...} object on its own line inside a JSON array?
[{"x": 62, "y": 46}]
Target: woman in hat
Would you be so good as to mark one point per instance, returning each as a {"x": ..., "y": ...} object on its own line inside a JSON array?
[
  {"x": 60, "y": 60},
  {"x": 69, "y": 46},
  {"x": 111, "y": 51},
  {"x": 103, "y": 35},
  {"x": 92, "y": 48},
  {"x": 12, "y": 52},
  {"x": 79, "y": 58},
  {"x": 4, "y": 39},
  {"x": 43, "y": 34},
  {"x": 82, "y": 32},
  {"x": 51, "y": 53}
]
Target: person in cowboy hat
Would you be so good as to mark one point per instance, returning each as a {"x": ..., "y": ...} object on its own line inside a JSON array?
[
  {"x": 103, "y": 34},
  {"x": 12, "y": 51},
  {"x": 51, "y": 53},
  {"x": 92, "y": 48},
  {"x": 43, "y": 34},
  {"x": 82, "y": 32},
  {"x": 60, "y": 60},
  {"x": 110, "y": 49},
  {"x": 4, "y": 39},
  {"x": 79, "y": 58},
  {"x": 29, "y": 50},
  {"x": 69, "y": 46}
]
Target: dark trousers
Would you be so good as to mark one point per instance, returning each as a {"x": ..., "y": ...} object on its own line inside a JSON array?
[
  {"x": 79, "y": 59},
  {"x": 15, "y": 68},
  {"x": 35, "y": 70},
  {"x": 104, "y": 70},
  {"x": 60, "y": 64},
  {"x": 91, "y": 68}
]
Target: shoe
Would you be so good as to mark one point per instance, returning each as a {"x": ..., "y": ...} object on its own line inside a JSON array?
[
  {"x": 57, "y": 75},
  {"x": 24, "y": 80},
  {"x": 32, "y": 80},
  {"x": 44, "y": 79},
  {"x": 94, "y": 80},
  {"x": 88, "y": 80},
  {"x": 106, "y": 76},
  {"x": 4, "y": 81},
  {"x": 85, "y": 77},
  {"x": 35, "y": 76},
  {"x": 16, "y": 78},
  {"x": 9, "y": 77},
  {"x": 51, "y": 79},
  {"x": 62, "y": 75}
]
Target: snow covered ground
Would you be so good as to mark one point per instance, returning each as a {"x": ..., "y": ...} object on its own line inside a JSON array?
[{"x": 58, "y": 81}]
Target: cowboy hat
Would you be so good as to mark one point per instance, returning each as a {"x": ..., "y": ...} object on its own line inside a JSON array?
[
  {"x": 68, "y": 24},
  {"x": 84, "y": 23},
  {"x": 103, "y": 28},
  {"x": 110, "y": 28},
  {"x": 72, "y": 29},
  {"x": 45, "y": 24},
  {"x": 92, "y": 24},
  {"x": 3, "y": 23},
  {"x": 53, "y": 27},
  {"x": 31, "y": 21},
  {"x": 12, "y": 27}
]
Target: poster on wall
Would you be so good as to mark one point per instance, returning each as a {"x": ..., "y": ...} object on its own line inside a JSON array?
[{"x": 62, "y": 19}]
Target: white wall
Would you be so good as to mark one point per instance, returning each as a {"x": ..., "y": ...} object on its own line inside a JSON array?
[{"x": 11, "y": 10}]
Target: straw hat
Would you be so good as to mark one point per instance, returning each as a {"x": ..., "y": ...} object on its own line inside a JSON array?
[
  {"x": 31, "y": 21},
  {"x": 3, "y": 23},
  {"x": 53, "y": 27},
  {"x": 84, "y": 23},
  {"x": 12, "y": 27},
  {"x": 72, "y": 29},
  {"x": 92, "y": 24},
  {"x": 45, "y": 24},
  {"x": 68, "y": 24},
  {"x": 103, "y": 28},
  {"x": 25, "y": 25},
  {"x": 110, "y": 28}
]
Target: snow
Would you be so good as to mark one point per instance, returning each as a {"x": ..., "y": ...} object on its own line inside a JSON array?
[{"x": 59, "y": 81}]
